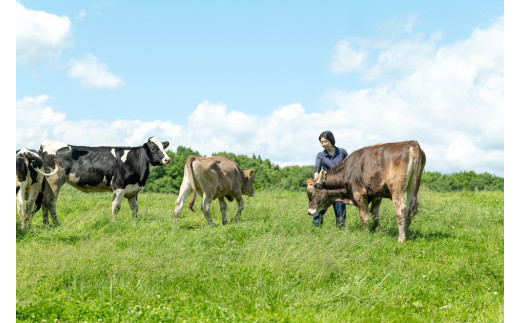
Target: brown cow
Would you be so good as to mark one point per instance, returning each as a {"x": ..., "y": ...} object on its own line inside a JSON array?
[
  {"x": 370, "y": 174},
  {"x": 214, "y": 177}
]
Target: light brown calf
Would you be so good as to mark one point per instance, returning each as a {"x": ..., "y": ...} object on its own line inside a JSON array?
[{"x": 214, "y": 177}]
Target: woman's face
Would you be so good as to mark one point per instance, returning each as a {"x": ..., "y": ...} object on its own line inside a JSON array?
[{"x": 325, "y": 143}]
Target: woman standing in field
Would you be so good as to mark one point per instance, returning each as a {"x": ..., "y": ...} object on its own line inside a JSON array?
[{"x": 326, "y": 159}]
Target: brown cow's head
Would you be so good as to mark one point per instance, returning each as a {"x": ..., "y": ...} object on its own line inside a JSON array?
[
  {"x": 318, "y": 197},
  {"x": 321, "y": 198},
  {"x": 249, "y": 182}
]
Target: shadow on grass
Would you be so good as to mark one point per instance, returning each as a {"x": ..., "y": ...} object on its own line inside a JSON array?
[
  {"x": 21, "y": 234},
  {"x": 418, "y": 235}
]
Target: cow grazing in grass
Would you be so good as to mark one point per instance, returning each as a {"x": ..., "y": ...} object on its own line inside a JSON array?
[
  {"x": 29, "y": 180},
  {"x": 121, "y": 170},
  {"x": 370, "y": 174},
  {"x": 214, "y": 177}
]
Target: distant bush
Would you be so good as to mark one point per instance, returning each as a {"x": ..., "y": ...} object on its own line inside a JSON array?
[
  {"x": 268, "y": 176},
  {"x": 462, "y": 181}
]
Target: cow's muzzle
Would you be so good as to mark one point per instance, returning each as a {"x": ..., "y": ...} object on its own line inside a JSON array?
[
  {"x": 166, "y": 160},
  {"x": 312, "y": 211}
]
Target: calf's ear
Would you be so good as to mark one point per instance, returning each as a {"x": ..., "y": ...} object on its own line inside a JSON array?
[
  {"x": 310, "y": 182},
  {"x": 165, "y": 144}
]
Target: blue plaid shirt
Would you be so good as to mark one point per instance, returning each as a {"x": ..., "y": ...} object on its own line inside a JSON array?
[{"x": 323, "y": 159}]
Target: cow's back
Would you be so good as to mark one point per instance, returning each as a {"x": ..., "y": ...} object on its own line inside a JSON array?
[
  {"x": 377, "y": 170},
  {"x": 216, "y": 173}
]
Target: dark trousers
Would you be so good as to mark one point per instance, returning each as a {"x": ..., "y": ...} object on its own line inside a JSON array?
[{"x": 339, "y": 210}]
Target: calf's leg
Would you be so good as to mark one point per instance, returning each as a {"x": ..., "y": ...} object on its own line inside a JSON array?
[
  {"x": 184, "y": 192},
  {"x": 240, "y": 202},
  {"x": 205, "y": 206},
  {"x": 223, "y": 209}
]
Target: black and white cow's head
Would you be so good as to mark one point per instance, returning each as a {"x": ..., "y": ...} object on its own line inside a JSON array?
[{"x": 155, "y": 150}]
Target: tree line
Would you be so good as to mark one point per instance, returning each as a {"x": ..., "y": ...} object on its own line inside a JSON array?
[{"x": 268, "y": 176}]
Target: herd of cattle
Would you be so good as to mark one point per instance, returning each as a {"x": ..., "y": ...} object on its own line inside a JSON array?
[{"x": 365, "y": 177}]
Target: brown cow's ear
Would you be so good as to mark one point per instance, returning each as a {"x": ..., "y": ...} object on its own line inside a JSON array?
[
  {"x": 165, "y": 144},
  {"x": 310, "y": 182},
  {"x": 251, "y": 172}
]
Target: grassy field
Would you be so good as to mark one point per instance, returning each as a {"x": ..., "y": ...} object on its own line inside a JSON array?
[{"x": 271, "y": 267}]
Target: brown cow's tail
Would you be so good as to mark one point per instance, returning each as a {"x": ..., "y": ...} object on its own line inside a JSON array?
[
  {"x": 419, "y": 162},
  {"x": 189, "y": 169}
]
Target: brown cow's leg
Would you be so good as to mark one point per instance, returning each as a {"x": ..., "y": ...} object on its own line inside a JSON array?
[
  {"x": 374, "y": 211},
  {"x": 408, "y": 212},
  {"x": 400, "y": 213},
  {"x": 363, "y": 215},
  {"x": 362, "y": 205},
  {"x": 240, "y": 202},
  {"x": 223, "y": 209},
  {"x": 205, "y": 206}
]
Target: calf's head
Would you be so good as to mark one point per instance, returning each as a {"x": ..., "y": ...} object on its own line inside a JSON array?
[
  {"x": 318, "y": 197},
  {"x": 249, "y": 181},
  {"x": 155, "y": 150}
]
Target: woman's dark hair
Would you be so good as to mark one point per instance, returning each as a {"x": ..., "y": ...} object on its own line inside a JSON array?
[{"x": 329, "y": 136}]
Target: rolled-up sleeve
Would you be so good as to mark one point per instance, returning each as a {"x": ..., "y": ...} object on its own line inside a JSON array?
[{"x": 318, "y": 163}]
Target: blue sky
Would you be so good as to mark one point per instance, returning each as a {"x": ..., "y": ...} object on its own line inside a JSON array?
[{"x": 266, "y": 77}]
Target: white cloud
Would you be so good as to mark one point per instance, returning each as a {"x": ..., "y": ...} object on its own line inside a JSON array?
[
  {"x": 37, "y": 121},
  {"x": 452, "y": 104},
  {"x": 82, "y": 14},
  {"x": 346, "y": 59},
  {"x": 40, "y": 35},
  {"x": 93, "y": 74},
  {"x": 451, "y": 101}
]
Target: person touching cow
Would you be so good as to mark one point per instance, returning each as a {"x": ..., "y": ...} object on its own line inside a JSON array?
[{"x": 327, "y": 159}]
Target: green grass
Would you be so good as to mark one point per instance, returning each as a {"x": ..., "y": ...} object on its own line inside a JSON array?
[{"x": 272, "y": 266}]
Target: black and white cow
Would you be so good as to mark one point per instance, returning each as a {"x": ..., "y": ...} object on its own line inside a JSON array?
[
  {"x": 121, "y": 170},
  {"x": 29, "y": 180}
]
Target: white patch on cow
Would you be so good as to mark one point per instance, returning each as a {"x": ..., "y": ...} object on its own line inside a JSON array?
[
  {"x": 125, "y": 155},
  {"x": 132, "y": 189},
  {"x": 52, "y": 146},
  {"x": 409, "y": 171},
  {"x": 166, "y": 159},
  {"x": 26, "y": 150},
  {"x": 158, "y": 143},
  {"x": 113, "y": 151},
  {"x": 312, "y": 211},
  {"x": 101, "y": 187}
]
